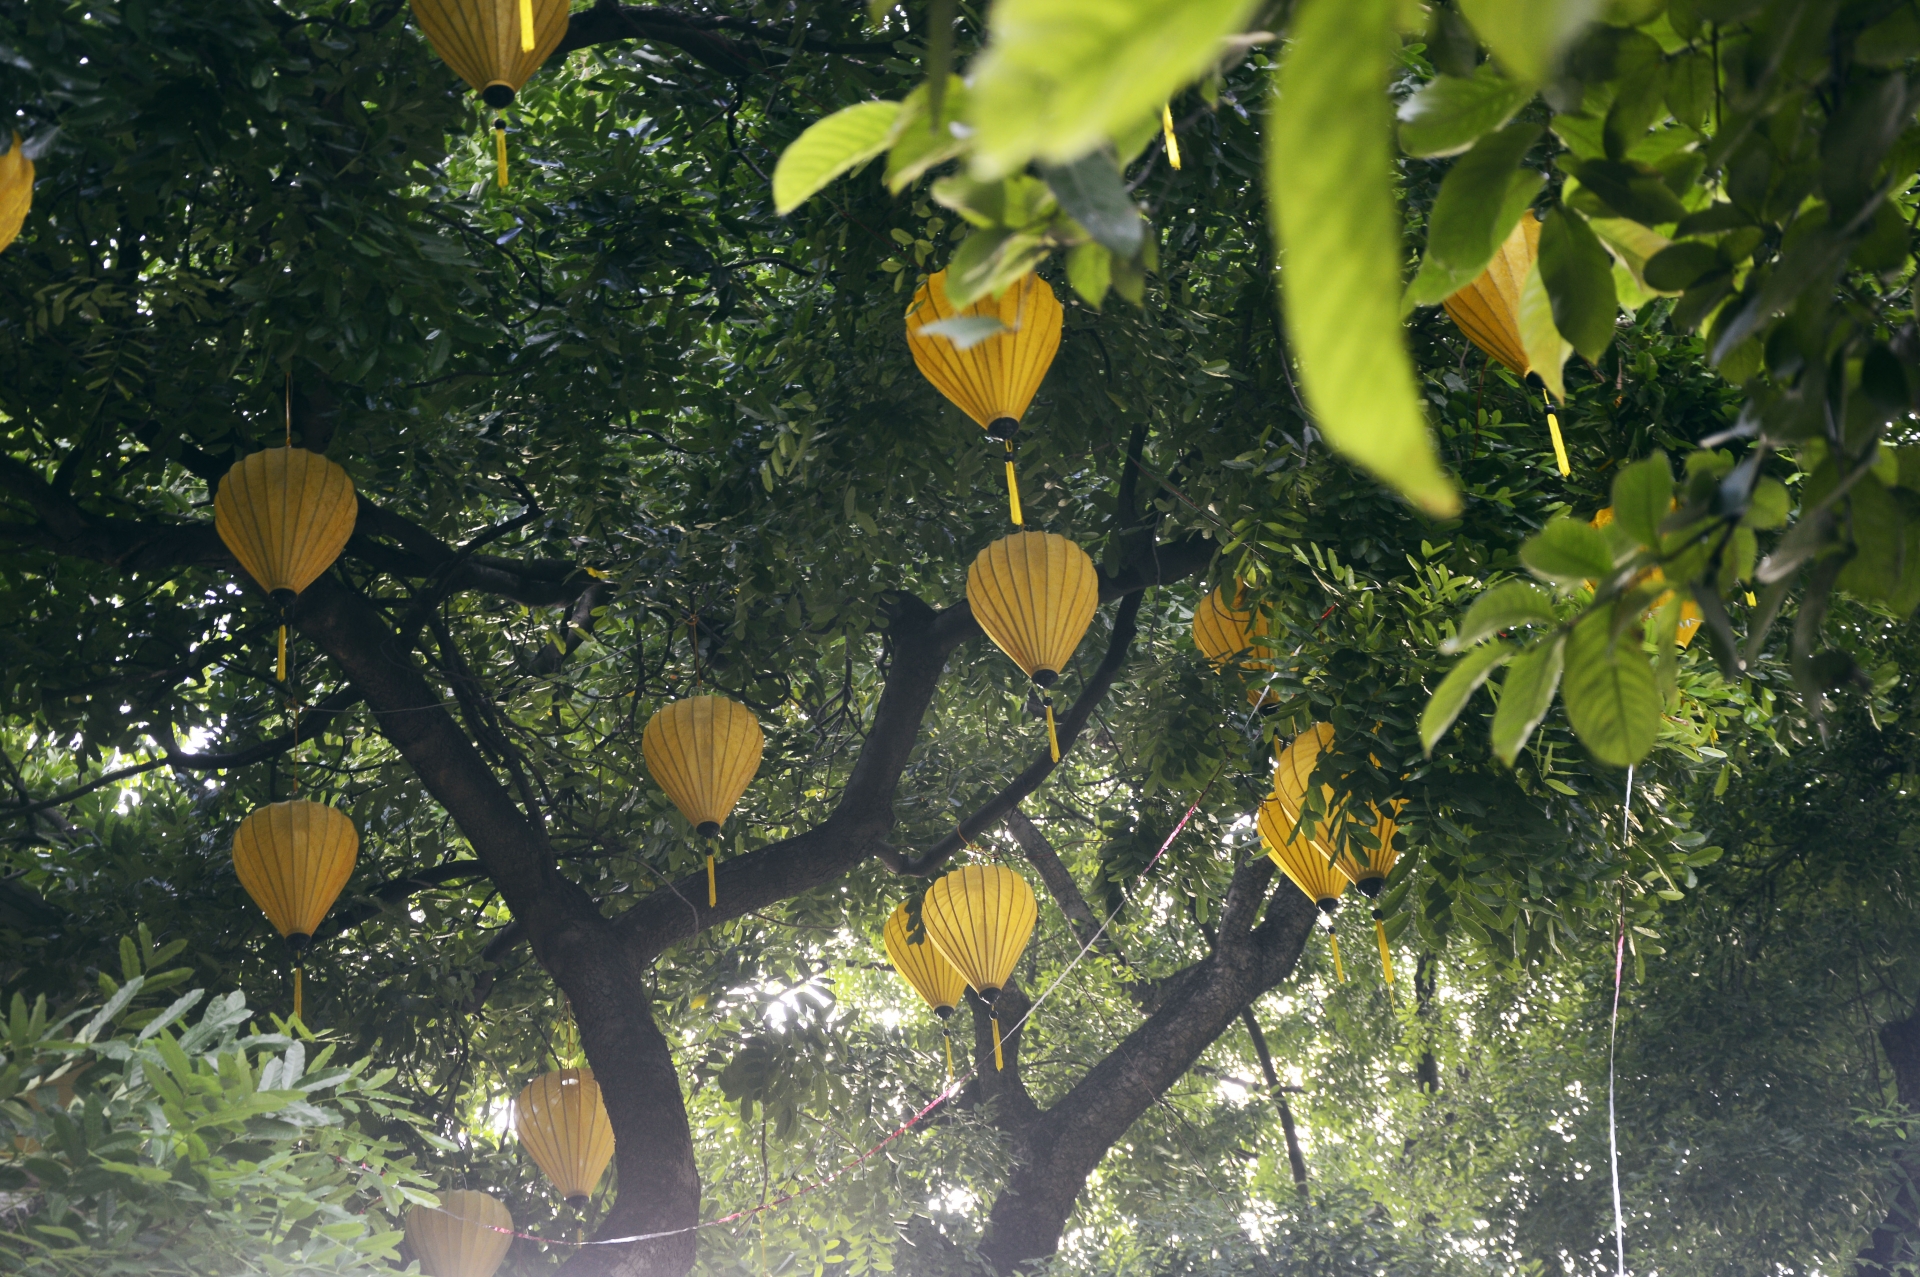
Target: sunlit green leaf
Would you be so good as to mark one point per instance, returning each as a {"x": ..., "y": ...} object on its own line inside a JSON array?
[
  {"x": 844, "y": 140},
  {"x": 1526, "y": 695},
  {"x": 1609, "y": 692},
  {"x": 1459, "y": 685},
  {"x": 1528, "y": 36}
]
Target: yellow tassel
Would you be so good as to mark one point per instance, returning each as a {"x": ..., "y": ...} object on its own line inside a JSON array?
[
  {"x": 999, "y": 1064},
  {"x": 526, "y": 26},
  {"x": 1166, "y": 131},
  {"x": 1013, "y": 490},
  {"x": 1751, "y": 601},
  {"x": 1053, "y": 737},
  {"x": 1386, "y": 959},
  {"x": 1559, "y": 444},
  {"x": 1338, "y": 970},
  {"x": 500, "y": 150},
  {"x": 949, "y": 1041},
  {"x": 713, "y": 889},
  {"x": 280, "y": 671},
  {"x": 296, "y": 995}
]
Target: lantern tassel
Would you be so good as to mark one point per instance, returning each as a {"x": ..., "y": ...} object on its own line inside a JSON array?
[
  {"x": 1013, "y": 489},
  {"x": 1559, "y": 444},
  {"x": 296, "y": 993},
  {"x": 1053, "y": 737},
  {"x": 1334, "y": 941},
  {"x": 1166, "y": 131},
  {"x": 949, "y": 1041},
  {"x": 713, "y": 888},
  {"x": 1386, "y": 959},
  {"x": 280, "y": 669},
  {"x": 526, "y": 26},
  {"x": 999, "y": 1064},
  {"x": 500, "y": 149}
]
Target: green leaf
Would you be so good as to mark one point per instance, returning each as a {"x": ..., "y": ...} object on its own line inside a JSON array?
[
  {"x": 1330, "y": 169},
  {"x": 1578, "y": 276},
  {"x": 1506, "y": 606},
  {"x": 844, "y": 140},
  {"x": 1609, "y": 693},
  {"x": 1091, "y": 192},
  {"x": 1674, "y": 269},
  {"x": 1460, "y": 684},
  {"x": 1879, "y": 540},
  {"x": 1060, "y": 78},
  {"x": 1528, "y": 36},
  {"x": 1547, "y": 350},
  {"x": 1568, "y": 551},
  {"x": 1480, "y": 200},
  {"x": 1525, "y": 696},
  {"x": 1090, "y": 271},
  {"x": 1642, "y": 498},
  {"x": 1769, "y": 505},
  {"x": 965, "y": 331},
  {"x": 1632, "y": 190},
  {"x": 1448, "y": 113},
  {"x": 918, "y": 143}
]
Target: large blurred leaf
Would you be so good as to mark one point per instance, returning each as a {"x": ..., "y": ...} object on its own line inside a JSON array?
[
  {"x": 1483, "y": 195},
  {"x": 846, "y": 139},
  {"x": 1528, "y": 36},
  {"x": 1547, "y": 350},
  {"x": 1448, "y": 113},
  {"x": 1525, "y": 696},
  {"x": 1330, "y": 170},
  {"x": 1578, "y": 276},
  {"x": 1061, "y": 77},
  {"x": 1611, "y": 701}
]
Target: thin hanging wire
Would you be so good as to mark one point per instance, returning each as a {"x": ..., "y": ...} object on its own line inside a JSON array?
[{"x": 1613, "y": 1034}]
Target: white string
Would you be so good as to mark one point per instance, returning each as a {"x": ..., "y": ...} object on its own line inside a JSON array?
[{"x": 1613, "y": 1033}]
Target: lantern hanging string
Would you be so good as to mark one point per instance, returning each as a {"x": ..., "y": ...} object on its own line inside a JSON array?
[
  {"x": 1613, "y": 1034},
  {"x": 947, "y": 1092}
]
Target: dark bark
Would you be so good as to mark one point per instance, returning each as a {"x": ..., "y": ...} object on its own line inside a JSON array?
[
  {"x": 702, "y": 36},
  {"x": 1895, "y": 1244},
  {"x": 1295, "y": 1158},
  {"x": 1057, "y": 1151}
]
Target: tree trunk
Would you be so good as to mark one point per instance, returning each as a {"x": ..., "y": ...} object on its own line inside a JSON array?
[
  {"x": 1895, "y": 1245},
  {"x": 1058, "y": 1152}
]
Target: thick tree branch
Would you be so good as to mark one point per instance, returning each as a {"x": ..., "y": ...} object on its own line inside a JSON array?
[
  {"x": 1060, "y": 884},
  {"x": 699, "y": 35}
]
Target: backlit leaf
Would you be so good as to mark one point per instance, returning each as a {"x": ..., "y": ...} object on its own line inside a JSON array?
[
  {"x": 844, "y": 140},
  {"x": 1609, "y": 692}
]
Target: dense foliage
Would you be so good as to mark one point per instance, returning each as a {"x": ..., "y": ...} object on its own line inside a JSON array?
[{"x": 626, "y": 429}]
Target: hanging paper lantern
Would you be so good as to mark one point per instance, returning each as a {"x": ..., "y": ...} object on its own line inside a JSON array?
[
  {"x": 16, "y": 191},
  {"x": 467, "y": 1235},
  {"x": 1034, "y": 594},
  {"x": 922, "y": 966},
  {"x": 994, "y": 379},
  {"x": 561, "y": 1119},
  {"x": 293, "y": 858},
  {"x": 979, "y": 917},
  {"x": 1229, "y": 636},
  {"x": 1307, "y": 862},
  {"x": 1488, "y": 309},
  {"x": 494, "y": 45},
  {"x": 704, "y": 751},
  {"x": 286, "y": 514}
]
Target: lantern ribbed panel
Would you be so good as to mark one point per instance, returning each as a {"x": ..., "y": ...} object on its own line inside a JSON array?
[
  {"x": 563, "y": 1122},
  {"x": 996, "y": 377},
  {"x": 1034, "y": 594},
  {"x": 16, "y": 191},
  {"x": 286, "y": 513},
  {"x": 703, "y": 751},
  {"x": 480, "y": 39},
  {"x": 462, "y": 1238},
  {"x": 293, "y": 858},
  {"x": 1488, "y": 309},
  {"x": 979, "y": 917},
  {"x": 1224, "y": 633},
  {"x": 922, "y": 966},
  {"x": 1304, "y": 860}
]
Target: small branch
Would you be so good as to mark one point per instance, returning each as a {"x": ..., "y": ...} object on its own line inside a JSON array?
[
  {"x": 1295, "y": 1157},
  {"x": 1041, "y": 855}
]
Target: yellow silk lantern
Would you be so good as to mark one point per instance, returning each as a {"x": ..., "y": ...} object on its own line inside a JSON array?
[
  {"x": 293, "y": 858},
  {"x": 286, "y": 514},
  {"x": 922, "y": 966},
  {"x": 704, "y": 751},
  {"x": 993, "y": 380},
  {"x": 1034, "y": 594},
  {"x": 1488, "y": 312},
  {"x": 562, "y": 1120},
  {"x": 467, "y": 1235},
  {"x": 16, "y": 191},
  {"x": 1307, "y": 862},
  {"x": 1228, "y": 635},
  {"x": 495, "y": 46},
  {"x": 979, "y": 917}
]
